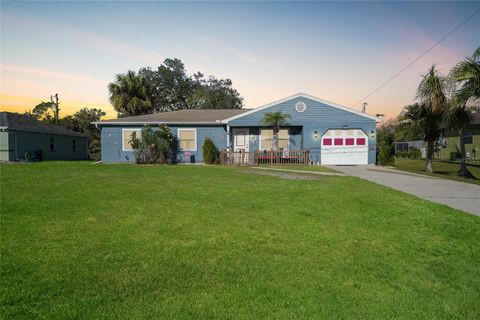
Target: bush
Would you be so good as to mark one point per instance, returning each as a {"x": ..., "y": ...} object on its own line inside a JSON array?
[
  {"x": 455, "y": 155},
  {"x": 210, "y": 152},
  {"x": 154, "y": 146},
  {"x": 386, "y": 147},
  {"x": 414, "y": 153}
]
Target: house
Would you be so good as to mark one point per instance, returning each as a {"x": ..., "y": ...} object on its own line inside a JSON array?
[
  {"x": 25, "y": 138},
  {"x": 333, "y": 134},
  {"x": 450, "y": 143},
  {"x": 406, "y": 146}
]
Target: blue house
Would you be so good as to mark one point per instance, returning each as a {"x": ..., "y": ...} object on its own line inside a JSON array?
[{"x": 332, "y": 134}]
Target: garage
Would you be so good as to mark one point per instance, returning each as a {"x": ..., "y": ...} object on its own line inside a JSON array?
[{"x": 344, "y": 147}]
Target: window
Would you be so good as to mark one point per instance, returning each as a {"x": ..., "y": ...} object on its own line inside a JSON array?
[
  {"x": 327, "y": 141},
  {"x": 266, "y": 139},
  {"x": 187, "y": 139},
  {"x": 283, "y": 139},
  {"x": 127, "y": 137},
  {"x": 349, "y": 141},
  {"x": 52, "y": 144},
  {"x": 468, "y": 138},
  {"x": 338, "y": 141},
  {"x": 74, "y": 145},
  {"x": 240, "y": 139},
  {"x": 361, "y": 141},
  {"x": 401, "y": 147},
  {"x": 300, "y": 106}
]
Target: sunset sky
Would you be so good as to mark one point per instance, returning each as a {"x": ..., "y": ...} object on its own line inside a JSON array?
[{"x": 335, "y": 51}]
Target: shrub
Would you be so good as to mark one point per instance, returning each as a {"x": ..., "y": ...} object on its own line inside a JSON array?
[
  {"x": 386, "y": 147},
  {"x": 210, "y": 152},
  {"x": 154, "y": 146},
  {"x": 414, "y": 153},
  {"x": 455, "y": 155}
]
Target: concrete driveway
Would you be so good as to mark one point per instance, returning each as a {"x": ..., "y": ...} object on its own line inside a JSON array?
[{"x": 458, "y": 195}]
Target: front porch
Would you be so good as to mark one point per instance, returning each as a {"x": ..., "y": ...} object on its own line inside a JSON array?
[{"x": 265, "y": 157}]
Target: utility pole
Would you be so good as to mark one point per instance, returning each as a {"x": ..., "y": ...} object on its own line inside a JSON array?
[
  {"x": 57, "y": 109},
  {"x": 364, "y": 107}
]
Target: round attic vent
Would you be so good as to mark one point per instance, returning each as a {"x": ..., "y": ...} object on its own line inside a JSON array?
[{"x": 300, "y": 106}]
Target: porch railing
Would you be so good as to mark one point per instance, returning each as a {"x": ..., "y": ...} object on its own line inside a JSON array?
[{"x": 271, "y": 157}]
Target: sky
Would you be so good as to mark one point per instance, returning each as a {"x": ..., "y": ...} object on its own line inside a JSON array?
[{"x": 337, "y": 51}]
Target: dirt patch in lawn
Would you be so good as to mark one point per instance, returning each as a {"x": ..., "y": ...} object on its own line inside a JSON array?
[{"x": 283, "y": 175}]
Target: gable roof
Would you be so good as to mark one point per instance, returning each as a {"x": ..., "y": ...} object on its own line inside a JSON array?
[
  {"x": 16, "y": 121},
  {"x": 193, "y": 116},
  {"x": 304, "y": 95}
]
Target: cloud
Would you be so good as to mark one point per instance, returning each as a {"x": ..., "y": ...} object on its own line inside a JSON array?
[
  {"x": 234, "y": 52},
  {"x": 51, "y": 74},
  {"x": 86, "y": 39}
]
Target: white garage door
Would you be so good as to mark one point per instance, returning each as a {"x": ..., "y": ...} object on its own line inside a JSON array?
[{"x": 344, "y": 146}]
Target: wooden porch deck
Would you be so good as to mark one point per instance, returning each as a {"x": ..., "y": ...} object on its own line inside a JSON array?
[{"x": 271, "y": 157}]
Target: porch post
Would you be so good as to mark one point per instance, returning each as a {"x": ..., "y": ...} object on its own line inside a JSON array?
[{"x": 228, "y": 137}]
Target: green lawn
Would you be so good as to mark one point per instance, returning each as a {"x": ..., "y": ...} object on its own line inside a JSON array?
[
  {"x": 82, "y": 241},
  {"x": 442, "y": 169}
]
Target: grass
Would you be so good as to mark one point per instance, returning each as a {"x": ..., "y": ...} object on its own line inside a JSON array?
[
  {"x": 442, "y": 169},
  {"x": 81, "y": 241},
  {"x": 304, "y": 168}
]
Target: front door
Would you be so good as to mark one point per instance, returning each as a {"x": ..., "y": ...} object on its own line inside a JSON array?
[{"x": 240, "y": 140}]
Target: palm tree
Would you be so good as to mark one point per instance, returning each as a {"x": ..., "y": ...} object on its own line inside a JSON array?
[
  {"x": 129, "y": 94},
  {"x": 465, "y": 101},
  {"x": 425, "y": 118},
  {"x": 275, "y": 120}
]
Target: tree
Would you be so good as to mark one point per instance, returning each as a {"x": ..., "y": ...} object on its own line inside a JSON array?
[
  {"x": 425, "y": 118},
  {"x": 420, "y": 120},
  {"x": 47, "y": 111},
  {"x": 81, "y": 121},
  {"x": 170, "y": 88},
  {"x": 465, "y": 101},
  {"x": 275, "y": 120},
  {"x": 210, "y": 152},
  {"x": 153, "y": 146},
  {"x": 129, "y": 94},
  {"x": 385, "y": 143},
  {"x": 216, "y": 93}
]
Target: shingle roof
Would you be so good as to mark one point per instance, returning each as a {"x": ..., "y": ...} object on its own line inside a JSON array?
[
  {"x": 179, "y": 117},
  {"x": 16, "y": 121}
]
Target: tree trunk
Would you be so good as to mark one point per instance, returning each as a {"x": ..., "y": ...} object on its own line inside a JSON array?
[
  {"x": 275, "y": 139},
  {"x": 463, "y": 172},
  {"x": 429, "y": 169}
]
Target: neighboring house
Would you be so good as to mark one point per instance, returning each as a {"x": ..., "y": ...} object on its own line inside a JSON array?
[
  {"x": 406, "y": 146},
  {"x": 25, "y": 138},
  {"x": 333, "y": 134},
  {"x": 450, "y": 143}
]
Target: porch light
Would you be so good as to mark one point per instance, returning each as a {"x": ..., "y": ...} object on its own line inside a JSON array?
[
  {"x": 252, "y": 137},
  {"x": 372, "y": 134},
  {"x": 315, "y": 134}
]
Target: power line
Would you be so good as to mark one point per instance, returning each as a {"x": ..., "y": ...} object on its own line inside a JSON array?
[{"x": 416, "y": 59}]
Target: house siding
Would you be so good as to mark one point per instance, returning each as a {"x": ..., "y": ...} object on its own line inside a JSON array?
[
  {"x": 317, "y": 117},
  {"x": 6, "y": 146},
  {"x": 453, "y": 144},
  {"x": 15, "y": 144},
  {"x": 111, "y": 140}
]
